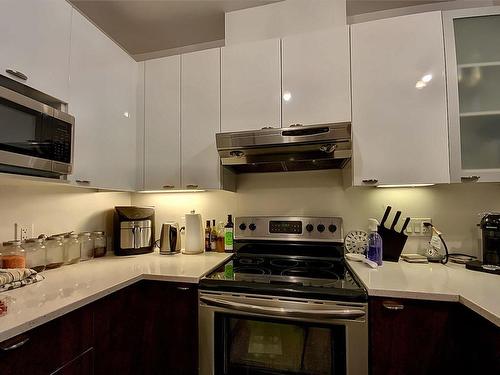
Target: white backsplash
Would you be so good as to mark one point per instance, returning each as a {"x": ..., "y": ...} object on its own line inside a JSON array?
[{"x": 453, "y": 208}]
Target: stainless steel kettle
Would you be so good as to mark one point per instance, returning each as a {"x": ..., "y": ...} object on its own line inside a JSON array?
[{"x": 170, "y": 239}]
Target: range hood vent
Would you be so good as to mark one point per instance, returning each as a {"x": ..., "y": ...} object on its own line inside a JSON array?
[{"x": 297, "y": 148}]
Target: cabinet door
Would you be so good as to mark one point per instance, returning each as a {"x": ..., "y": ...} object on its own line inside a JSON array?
[
  {"x": 81, "y": 365},
  {"x": 251, "y": 86},
  {"x": 399, "y": 115},
  {"x": 316, "y": 77},
  {"x": 473, "y": 63},
  {"x": 409, "y": 337},
  {"x": 49, "y": 347},
  {"x": 200, "y": 113},
  {"x": 103, "y": 101},
  {"x": 35, "y": 40},
  {"x": 162, "y": 164}
]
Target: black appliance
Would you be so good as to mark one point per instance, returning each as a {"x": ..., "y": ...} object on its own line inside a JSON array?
[
  {"x": 286, "y": 303},
  {"x": 35, "y": 138},
  {"x": 490, "y": 246},
  {"x": 134, "y": 230}
]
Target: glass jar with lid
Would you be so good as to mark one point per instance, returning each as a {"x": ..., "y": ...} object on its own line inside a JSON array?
[
  {"x": 71, "y": 248},
  {"x": 86, "y": 246},
  {"x": 55, "y": 252},
  {"x": 13, "y": 255},
  {"x": 36, "y": 254},
  {"x": 99, "y": 244}
]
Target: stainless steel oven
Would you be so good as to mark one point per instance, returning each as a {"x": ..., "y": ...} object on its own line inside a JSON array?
[
  {"x": 35, "y": 139},
  {"x": 263, "y": 334}
]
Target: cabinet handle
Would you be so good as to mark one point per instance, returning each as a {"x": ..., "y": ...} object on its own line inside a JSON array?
[
  {"x": 168, "y": 186},
  {"x": 470, "y": 178},
  {"x": 370, "y": 181},
  {"x": 16, "y": 345},
  {"x": 86, "y": 182},
  {"x": 17, "y": 74},
  {"x": 295, "y": 125},
  {"x": 183, "y": 288},
  {"x": 267, "y": 127},
  {"x": 191, "y": 186},
  {"x": 393, "y": 306}
]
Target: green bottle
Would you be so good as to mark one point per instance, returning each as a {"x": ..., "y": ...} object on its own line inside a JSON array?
[{"x": 228, "y": 234}]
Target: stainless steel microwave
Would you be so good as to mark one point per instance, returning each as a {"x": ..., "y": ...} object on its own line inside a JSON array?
[{"x": 35, "y": 139}]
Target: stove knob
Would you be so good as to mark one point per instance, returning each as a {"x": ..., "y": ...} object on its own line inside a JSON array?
[
  {"x": 243, "y": 226},
  {"x": 309, "y": 227},
  {"x": 320, "y": 228},
  {"x": 332, "y": 228},
  {"x": 252, "y": 226}
]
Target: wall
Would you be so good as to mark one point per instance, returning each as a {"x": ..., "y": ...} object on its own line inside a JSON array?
[
  {"x": 55, "y": 209},
  {"x": 454, "y": 209},
  {"x": 283, "y": 18}
]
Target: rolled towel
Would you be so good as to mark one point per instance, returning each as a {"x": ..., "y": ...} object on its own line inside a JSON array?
[{"x": 12, "y": 278}]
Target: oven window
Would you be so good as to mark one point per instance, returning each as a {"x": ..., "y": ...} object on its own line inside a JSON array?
[
  {"x": 254, "y": 346},
  {"x": 27, "y": 132}
]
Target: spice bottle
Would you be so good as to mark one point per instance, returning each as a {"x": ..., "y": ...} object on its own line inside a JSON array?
[
  {"x": 36, "y": 254},
  {"x": 220, "y": 237},
  {"x": 228, "y": 234},
  {"x": 13, "y": 255},
  {"x": 86, "y": 246},
  {"x": 208, "y": 230},
  {"x": 213, "y": 237},
  {"x": 71, "y": 249},
  {"x": 55, "y": 252},
  {"x": 99, "y": 244}
]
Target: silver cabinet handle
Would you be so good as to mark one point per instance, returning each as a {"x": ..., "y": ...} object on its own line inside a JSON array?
[
  {"x": 470, "y": 178},
  {"x": 16, "y": 345},
  {"x": 394, "y": 306},
  {"x": 295, "y": 125},
  {"x": 306, "y": 313},
  {"x": 267, "y": 127},
  {"x": 192, "y": 186},
  {"x": 183, "y": 288},
  {"x": 168, "y": 186},
  {"x": 370, "y": 181},
  {"x": 17, "y": 74},
  {"x": 86, "y": 182}
]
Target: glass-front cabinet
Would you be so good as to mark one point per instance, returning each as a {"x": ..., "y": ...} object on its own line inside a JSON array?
[{"x": 472, "y": 41}]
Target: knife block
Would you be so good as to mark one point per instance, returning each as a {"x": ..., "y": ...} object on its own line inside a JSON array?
[{"x": 392, "y": 243}]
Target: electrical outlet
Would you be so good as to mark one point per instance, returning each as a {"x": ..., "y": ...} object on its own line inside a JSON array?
[
  {"x": 416, "y": 227},
  {"x": 23, "y": 231}
]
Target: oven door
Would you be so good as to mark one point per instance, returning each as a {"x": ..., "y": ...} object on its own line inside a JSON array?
[{"x": 257, "y": 335}]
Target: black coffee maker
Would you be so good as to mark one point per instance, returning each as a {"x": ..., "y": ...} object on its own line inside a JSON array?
[{"x": 490, "y": 245}]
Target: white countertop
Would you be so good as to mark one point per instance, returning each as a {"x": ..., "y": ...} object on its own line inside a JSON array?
[
  {"x": 478, "y": 291},
  {"x": 70, "y": 287}
]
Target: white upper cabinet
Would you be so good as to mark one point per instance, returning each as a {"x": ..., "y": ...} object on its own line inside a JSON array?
[
  {"x": 399, "y": 113},
  {"x": 251, "y": 86},
  {"x": 473, "y": 65},
  {"x": 35, "y": 42},
  {"x": 316, "y": 82},
  {"x": 200, "y": 114},
  {"x": 162, "y": 164},
  {"x": 102, "y": 98}
]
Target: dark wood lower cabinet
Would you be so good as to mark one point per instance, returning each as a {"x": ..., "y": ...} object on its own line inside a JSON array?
[
  {"x": 45, "y": 349},
  {"x": 148, "y": 328},
  {"x": 81, "y": 365},
  {"x": 410, "y": 337}
]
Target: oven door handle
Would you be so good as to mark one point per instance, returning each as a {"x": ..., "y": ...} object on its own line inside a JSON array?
[{"x": 280, "y": 311}]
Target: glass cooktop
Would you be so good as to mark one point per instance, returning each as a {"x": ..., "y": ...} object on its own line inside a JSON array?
[{"x": 299, "y": 276}]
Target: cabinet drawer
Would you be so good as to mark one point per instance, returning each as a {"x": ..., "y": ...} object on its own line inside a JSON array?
[{"x": 47, "y": 348}]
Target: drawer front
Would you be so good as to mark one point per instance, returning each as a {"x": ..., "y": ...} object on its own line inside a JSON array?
[{"x": 49, "y": 347}]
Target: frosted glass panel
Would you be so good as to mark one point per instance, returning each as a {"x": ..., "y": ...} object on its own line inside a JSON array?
[
  {"x": 479, "y": 88},
  {"x": 480, "y": 138},
  {"x": 477, "y": 39}
]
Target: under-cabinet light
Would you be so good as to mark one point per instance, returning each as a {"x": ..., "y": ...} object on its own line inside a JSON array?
[
  {"x": 404, "y": 185},
  {"x": 172, "y": 191}
]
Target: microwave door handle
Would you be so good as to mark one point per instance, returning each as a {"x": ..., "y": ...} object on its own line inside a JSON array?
[{"x": 279, "y": 311}]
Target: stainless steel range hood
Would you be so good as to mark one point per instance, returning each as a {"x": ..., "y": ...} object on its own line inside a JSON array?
[{"x": 297, "y": 148}]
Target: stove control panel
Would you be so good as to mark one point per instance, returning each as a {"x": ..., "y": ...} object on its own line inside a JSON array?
[{"x": 289, "y": 228}]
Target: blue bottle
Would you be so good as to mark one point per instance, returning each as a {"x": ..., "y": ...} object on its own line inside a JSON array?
[{"x": 374, "y": 252}]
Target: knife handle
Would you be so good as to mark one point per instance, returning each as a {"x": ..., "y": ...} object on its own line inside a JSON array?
[
  {"x": 405, "y": 225},
  {"x": 386, "y": 215},
  {"x": 396, "y": 218}
]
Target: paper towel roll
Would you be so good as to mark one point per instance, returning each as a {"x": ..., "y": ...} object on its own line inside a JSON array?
[{"x": 195, "y": 243}]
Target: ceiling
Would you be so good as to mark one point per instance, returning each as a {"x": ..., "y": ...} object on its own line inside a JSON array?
[{"x": 143, "y": 27}]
